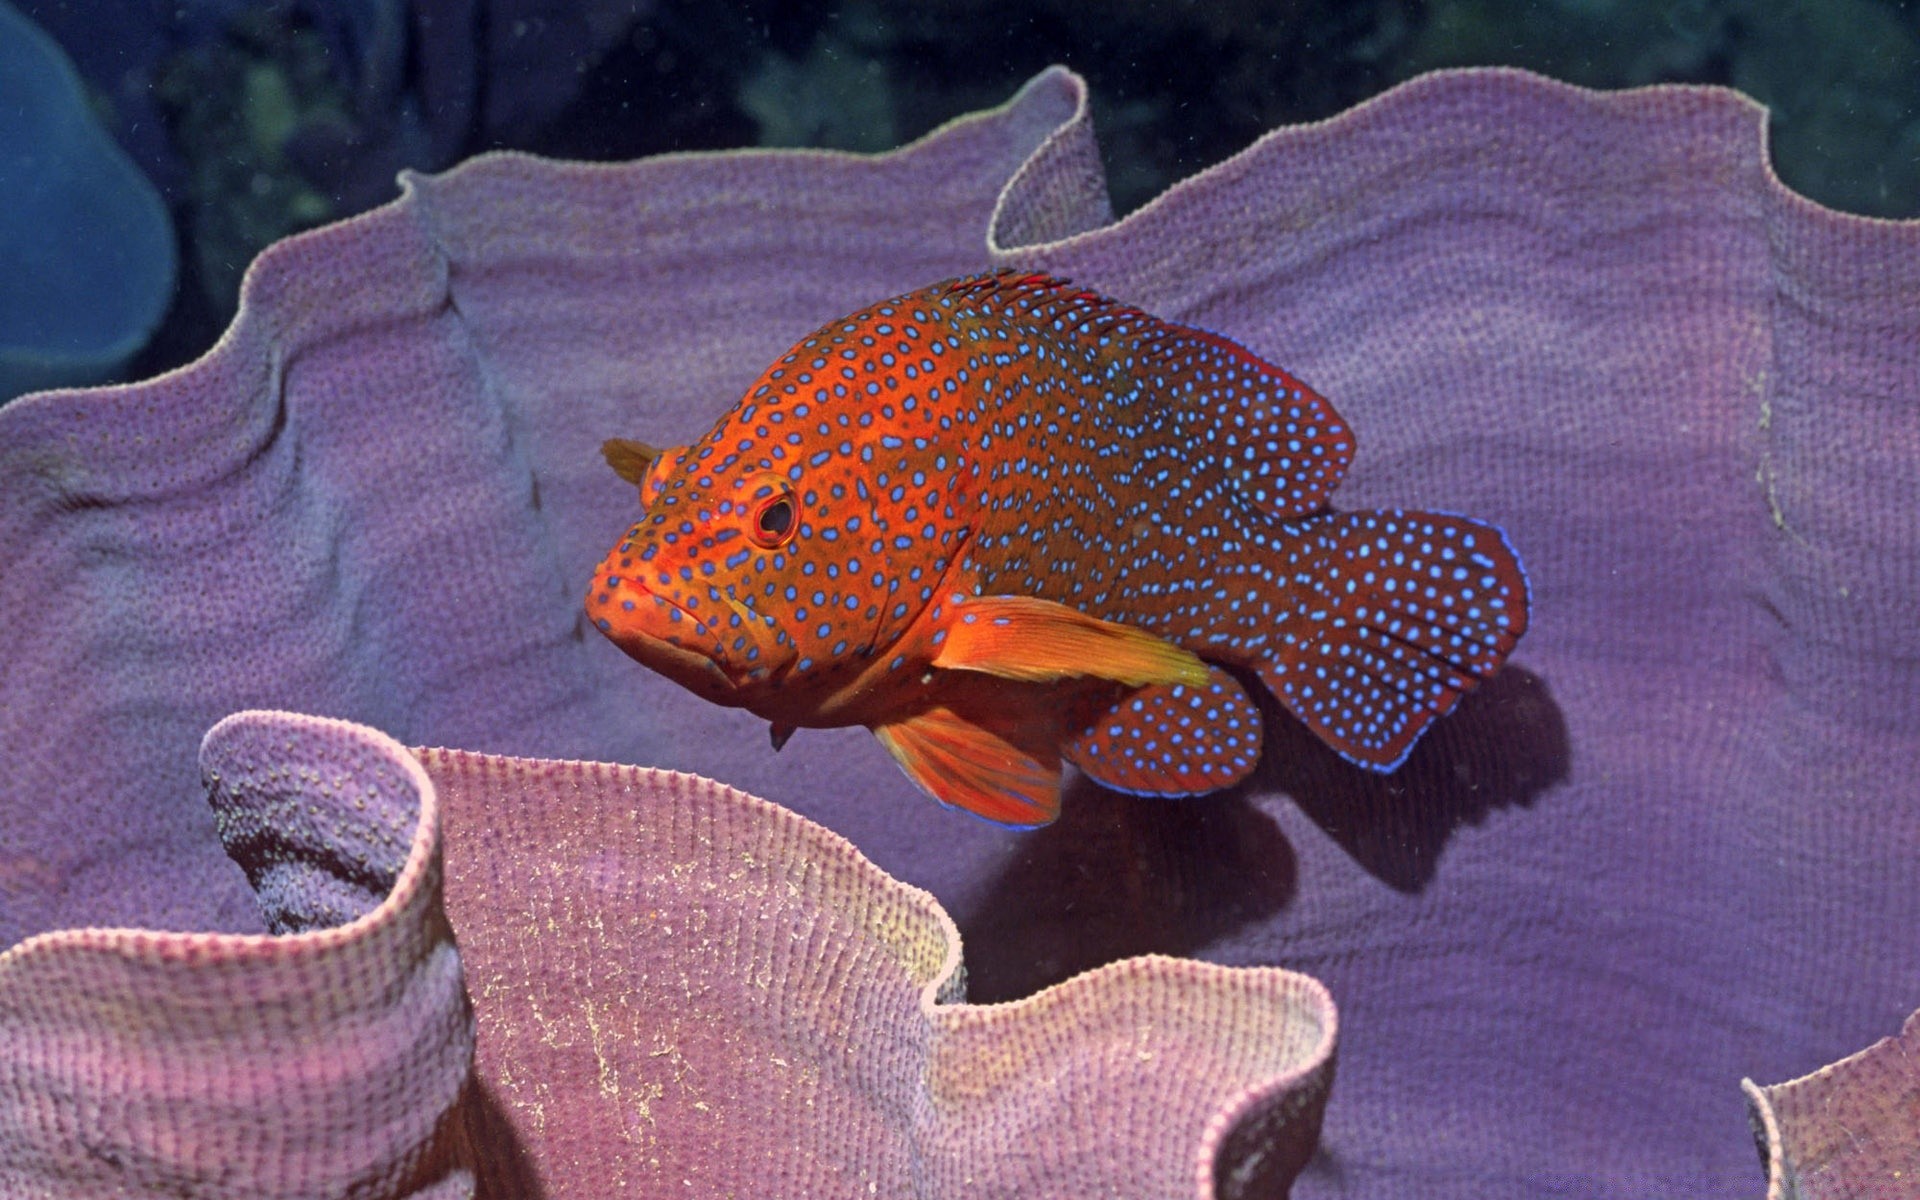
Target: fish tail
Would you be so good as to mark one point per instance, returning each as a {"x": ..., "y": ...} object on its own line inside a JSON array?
[{"x": 1392, "y": 616}]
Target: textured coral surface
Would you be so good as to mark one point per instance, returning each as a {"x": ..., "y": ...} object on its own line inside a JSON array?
[
  {"x": 681, "y": 987},
  {"x": 678, "y": 988},
  {"x": 1670, "y": 848},
  {"x": 324, "y": 1061}
]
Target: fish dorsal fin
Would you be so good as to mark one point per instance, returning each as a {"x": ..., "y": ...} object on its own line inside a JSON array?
[
  {"x": 1172, "y": 739},
  {"x": 1050, "y": 299},
  {"x": 629, "y": 459},
  {"x": 1027, "y": 638},
  {"x": 965, "y": 765},
  {"x": 1406, "y": 613},
  {"x": 1283, "y": 442}
]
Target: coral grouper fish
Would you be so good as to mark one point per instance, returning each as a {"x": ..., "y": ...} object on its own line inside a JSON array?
[{"x": 1003, "y": 523}]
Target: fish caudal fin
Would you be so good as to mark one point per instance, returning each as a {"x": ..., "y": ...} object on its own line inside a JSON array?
[
  {"x": 1393, "y": 616},
  {"x": 1172, "y": 739},
  {"x": 961, "y": 763}
]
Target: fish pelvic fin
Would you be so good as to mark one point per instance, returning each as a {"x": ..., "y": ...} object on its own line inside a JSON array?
[
  {"x": 965, "y": 765},
  {"x": 1402, "y": 615},
  {"x": 1037, "y": 641}
]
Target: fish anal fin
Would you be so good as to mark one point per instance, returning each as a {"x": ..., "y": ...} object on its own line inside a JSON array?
[
  {"x": 962, "y": 763},
  {"x": 1407, "y": 612},
  {"x": 1027, "y": 638},
  {"x": 629, "y": 459},
  {"x": 1172, "y": 739}
]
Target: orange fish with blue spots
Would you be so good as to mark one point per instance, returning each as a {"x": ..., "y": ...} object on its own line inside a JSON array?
[{"x": 1007, "y": 524}]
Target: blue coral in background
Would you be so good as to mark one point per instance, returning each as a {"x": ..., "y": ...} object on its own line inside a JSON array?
[{"x": 87, "y": 257}]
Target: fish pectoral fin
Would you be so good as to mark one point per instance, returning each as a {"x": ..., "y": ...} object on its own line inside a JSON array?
[
  {"x": 1027, "y": 638},
  {"x": 629, "y": 459},
  {"x": 961, "y": 764}
]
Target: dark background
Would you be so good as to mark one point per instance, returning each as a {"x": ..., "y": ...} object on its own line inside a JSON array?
[{"x": 258, "y": 119}]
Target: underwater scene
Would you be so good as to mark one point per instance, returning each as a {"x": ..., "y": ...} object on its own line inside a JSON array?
[{"x": 960, "y": 599}]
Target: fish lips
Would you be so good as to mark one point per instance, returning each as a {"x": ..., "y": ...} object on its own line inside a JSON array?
[{"x": 692, "y": 650}]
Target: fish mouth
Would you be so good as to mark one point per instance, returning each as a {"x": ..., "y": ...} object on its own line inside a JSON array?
[
  {"x": 669, "y": 637},
  {"x": 659, "y": 633}
]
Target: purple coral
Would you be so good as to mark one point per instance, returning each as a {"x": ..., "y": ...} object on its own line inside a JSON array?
[{"x": 1670, "y": 851}]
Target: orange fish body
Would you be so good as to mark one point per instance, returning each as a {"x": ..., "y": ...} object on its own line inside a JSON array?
[{"x": 1005, "y": 523}]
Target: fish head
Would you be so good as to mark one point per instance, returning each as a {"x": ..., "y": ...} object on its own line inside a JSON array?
[
  {"x": 673, "y": 593},
  {"x": 771, "y": 582}
]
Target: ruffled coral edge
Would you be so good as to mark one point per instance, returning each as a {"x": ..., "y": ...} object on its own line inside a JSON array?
[
  {"x": 1839, "y": 1130},
  {"x": 160, "y": 947},
  {"x": 1294, "y": 1095}
]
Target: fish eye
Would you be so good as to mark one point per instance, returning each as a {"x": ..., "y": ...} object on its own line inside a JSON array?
[{"x": 773, "y": 520}]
